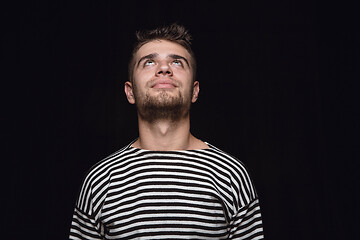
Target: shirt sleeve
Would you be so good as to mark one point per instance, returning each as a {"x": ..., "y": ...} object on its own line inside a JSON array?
[
  {"x": 84, "y": 227},
  {"x": 247, "y": 223},
  {"x": 86, "y": 222}
]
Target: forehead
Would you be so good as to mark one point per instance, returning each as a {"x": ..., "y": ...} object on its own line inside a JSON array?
[{"x": 163, "y": 48}]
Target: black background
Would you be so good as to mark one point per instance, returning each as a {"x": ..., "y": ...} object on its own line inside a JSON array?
[{"x": 279, "y": 90}]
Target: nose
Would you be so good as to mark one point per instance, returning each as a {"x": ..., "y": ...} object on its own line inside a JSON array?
[{"x": 164, "y": 69}]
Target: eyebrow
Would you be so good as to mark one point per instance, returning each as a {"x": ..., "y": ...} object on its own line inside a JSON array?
[
  {"x": 149, "y": 56},
  {"x": 175, "y": 56},
  {"x": 154, "y": 55}
]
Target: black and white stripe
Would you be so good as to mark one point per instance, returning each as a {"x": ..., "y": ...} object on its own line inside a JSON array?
[{"x": 188, "y": 194}]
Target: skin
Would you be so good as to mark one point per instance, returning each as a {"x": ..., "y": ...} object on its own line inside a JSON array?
[{"x": 163, "y": 71}]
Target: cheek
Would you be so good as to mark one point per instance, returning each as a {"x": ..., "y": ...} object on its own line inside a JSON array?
[
  {"x": 144, "y": 75},
  {"x": 188, "y": 89},
  {"x": 185, "y": 76},
  {"x": 140, "y": 78}
]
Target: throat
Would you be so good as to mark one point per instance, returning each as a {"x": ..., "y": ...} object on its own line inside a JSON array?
[
  {"x": 164, "y": 135},
  {"x": 164, "y": 128}
]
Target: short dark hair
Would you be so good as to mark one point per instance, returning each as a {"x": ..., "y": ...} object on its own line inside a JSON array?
[{"x": 175, "y": 33}]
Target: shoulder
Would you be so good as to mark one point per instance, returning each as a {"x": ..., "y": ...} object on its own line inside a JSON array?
[
  {"x": 226, "y": 157},
  {"x": 239, "y": 174},
  {"x": 104, "y": 167},
  {"x": 97, "y": 178}
]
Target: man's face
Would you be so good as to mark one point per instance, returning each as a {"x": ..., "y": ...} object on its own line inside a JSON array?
[{"x": 162, "y": 84}]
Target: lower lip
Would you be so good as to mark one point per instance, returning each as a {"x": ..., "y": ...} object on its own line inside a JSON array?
[{"x": 164, "y": 85}]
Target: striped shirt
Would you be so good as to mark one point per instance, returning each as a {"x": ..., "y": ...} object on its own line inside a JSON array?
[{"x": 185, "y": 194}]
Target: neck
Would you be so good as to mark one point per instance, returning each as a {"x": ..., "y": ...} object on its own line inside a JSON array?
[{"x": 166, "y": 135}]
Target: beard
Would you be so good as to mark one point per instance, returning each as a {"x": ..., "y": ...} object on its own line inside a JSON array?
[{"x": 162, "y": 106}]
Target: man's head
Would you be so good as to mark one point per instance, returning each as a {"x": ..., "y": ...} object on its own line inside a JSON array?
[
  {"x": 161, "y": 72},
  {"x": 173, "y": 33}
]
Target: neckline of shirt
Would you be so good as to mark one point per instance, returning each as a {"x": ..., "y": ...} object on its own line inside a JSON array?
[{"x": 170, "y": 151}]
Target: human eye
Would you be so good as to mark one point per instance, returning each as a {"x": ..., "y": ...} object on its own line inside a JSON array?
[
  {"x": 177, "y": 62},
  {"x": 149, "y": 62}
]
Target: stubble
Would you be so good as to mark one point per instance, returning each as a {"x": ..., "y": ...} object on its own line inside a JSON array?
[{"x": 162, "y": 106}]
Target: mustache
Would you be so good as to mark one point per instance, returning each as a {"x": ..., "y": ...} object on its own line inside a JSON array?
[{"x": 155, "y": 81}]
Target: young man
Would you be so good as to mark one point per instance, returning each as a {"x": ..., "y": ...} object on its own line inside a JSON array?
[{"x": 166, "y": 184}]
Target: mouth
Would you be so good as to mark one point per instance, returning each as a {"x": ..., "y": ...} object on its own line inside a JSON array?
[{"x": 164, "y": 84}]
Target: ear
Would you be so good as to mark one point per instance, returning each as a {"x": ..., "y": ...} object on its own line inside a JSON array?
[
  {"x": 129, "y": 92},
  {"x": 196, "y": 90}
]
